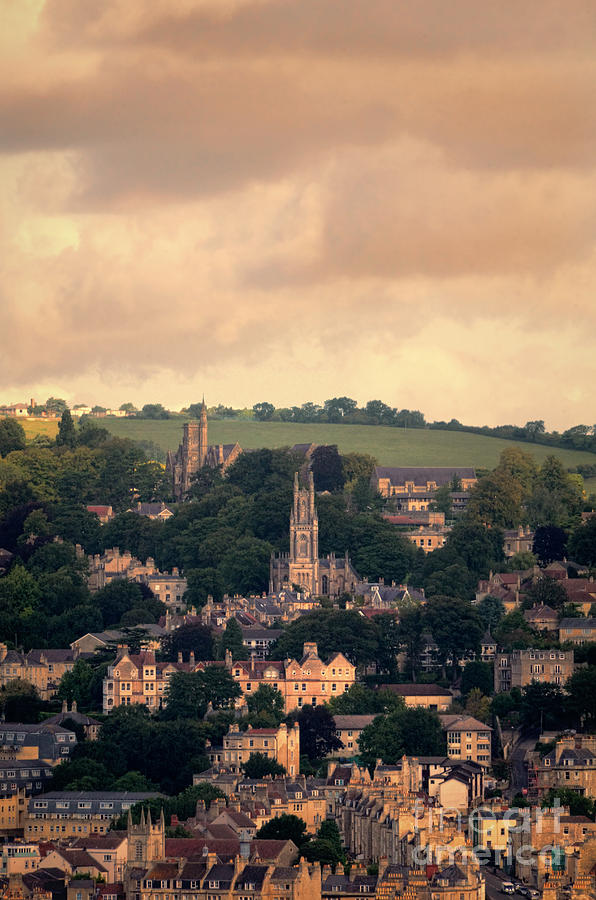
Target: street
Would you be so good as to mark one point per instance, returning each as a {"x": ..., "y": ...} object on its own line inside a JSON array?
[{"x": 519, "y": 775}]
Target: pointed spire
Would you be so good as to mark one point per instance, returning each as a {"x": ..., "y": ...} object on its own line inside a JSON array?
[
  {"x": 129, "y": 822},
  {"x": 142, "y": 816},
  {"x": 162, "y": 820},
  {"x": 149, "y": 822}
]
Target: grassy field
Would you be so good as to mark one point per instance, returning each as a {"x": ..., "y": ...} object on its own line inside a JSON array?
[
  {"x": 33, "y": 427},
  {"x": 390, "y": 446}
]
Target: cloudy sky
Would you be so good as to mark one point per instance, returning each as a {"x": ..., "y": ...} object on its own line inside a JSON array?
[{"x": 289, "y": 200}]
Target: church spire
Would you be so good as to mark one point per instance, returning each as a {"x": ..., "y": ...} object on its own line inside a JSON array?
[{"x": 203, "y": 440}]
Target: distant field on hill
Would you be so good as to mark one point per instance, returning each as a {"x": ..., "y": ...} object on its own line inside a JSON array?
[
  {"x": 390, "y": 446},
  {"x": 34, "y": 427}
]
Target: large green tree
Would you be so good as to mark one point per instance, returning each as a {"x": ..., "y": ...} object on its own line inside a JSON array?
[
  {"x": 318, "y": 737},
  {"x": 12, "y": 436},
  {"x": 404, "y": 732},
  {"x": 334, "y": 631},
  {"x": 455, "y": 625}
]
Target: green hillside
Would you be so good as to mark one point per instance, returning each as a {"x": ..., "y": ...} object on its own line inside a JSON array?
[{"x": 390, "y": 446}]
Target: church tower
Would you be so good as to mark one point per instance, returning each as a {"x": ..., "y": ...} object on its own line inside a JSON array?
[
  {"x": 304, "y": 537},
  {"x": 146, "y": 841},
  {"x": 203, "y": 440}
]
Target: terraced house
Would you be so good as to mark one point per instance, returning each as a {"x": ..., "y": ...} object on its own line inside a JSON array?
[
  {"x": 41, "y": 668},
  {"x": 138, "y": 678},
  {"x": 309, "y": 680}
]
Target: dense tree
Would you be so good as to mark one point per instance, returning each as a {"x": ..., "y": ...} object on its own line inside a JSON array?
[
  {"x": 67, "y": 433},
  {"x": 265, "y": 707},
  {"x": 327, "y": 469},
  {"x": 318, "y": 737},
  {"x": 477, "y": 675},
  {"x": 361, "y": 700},
  {"x": 478, "y": 704},
  {"x": 119, "y": 596},
  {"x": 542, "y": 706},
  {"x": 356, "y": 466},
  {"x": 232, "y": 640},
  {"x": 338, "y": 408},
  {"x": 579, "y": 805},
  {"x": 154, "y": 411},
  {"x": 334, "y": 631},
  {"x": 582, "y": 546},
  {"x": 497, "y": 501},
  {"x": 405, "y": 731},
  {"x": 12, "y": 436},
  {"x": 326, "y": 847},
  {"x": 195, "y": 638},
  {"x": 550, "y": 543},
  {"x": 557, "y": 497},
  {"x": 245, "y": 566},
  {"x": 201, "y": 584},
  {"x": 581, "y": 702},
  {"x": 491, "y": 611},
  {"x": 56, "y": 405},
  {"x": 258, "y": 765},
  {"x": 189, "y": 693},
  {"x": 455, "y": 625},
  {"x": 545, "y": 590},
  {"x": 513, "y": 632},
  {"x": 263, "y": 411},
  {"x": 378, "y": 413},
  {"x": 284, "y": 828},
  {"x": 19, "y": 701},
  {"x": 80, "y": 684},
  {"x": 442, "y": 500}
]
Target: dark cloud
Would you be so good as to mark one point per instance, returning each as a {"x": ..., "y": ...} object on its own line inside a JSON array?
[{"x": 299, "y": 190}]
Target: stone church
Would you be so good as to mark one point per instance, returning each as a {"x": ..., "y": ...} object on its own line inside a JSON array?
[
  {"x": 195, "y": 452},
  {"x": 302, "y": 566}
]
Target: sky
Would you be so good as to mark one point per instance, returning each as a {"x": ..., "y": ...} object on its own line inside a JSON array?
[{"x": 290, "y": 200}]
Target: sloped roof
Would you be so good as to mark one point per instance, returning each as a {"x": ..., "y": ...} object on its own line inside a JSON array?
[
  {"x": 421, "y": 475},
  {"x": 417, "y": 690}
]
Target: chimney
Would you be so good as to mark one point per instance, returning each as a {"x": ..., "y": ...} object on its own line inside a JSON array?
[
  {"x": 244, "y": 845},
  {"x": 64, "y": 706},
  {"x": 180, "y": 656},
  {"x": 73, "y": 707},
  {"x": 191, "y": 657},
  {"x": 228, "y": 659}
]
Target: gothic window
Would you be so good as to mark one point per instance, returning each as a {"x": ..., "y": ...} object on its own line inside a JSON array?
[
  {"x": 138, "y": 850},
  {"x": 302, "y": 510},
  {"x": 302, "y": 545},
  {"x": 325, "y": 584}
]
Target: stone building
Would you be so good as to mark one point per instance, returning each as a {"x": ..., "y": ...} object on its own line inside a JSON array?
[
  {"x": 41, "y": 668},
  {"x": 206, "y": 878},
  {"x": 309, "y": 680},
  {"x": 281, "y": 744},
  {"x": 64, "y": 814},
  {"x": 195, "y": 452},
  {"x": 572, "y": 764},
  {"x": 139, "y": 678},
  {"x": 302, "y": 566},
  {"x": 413, "y": 488},
  {"x": 522, "y": 667},
  {"x": 467, "y": 738}
]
